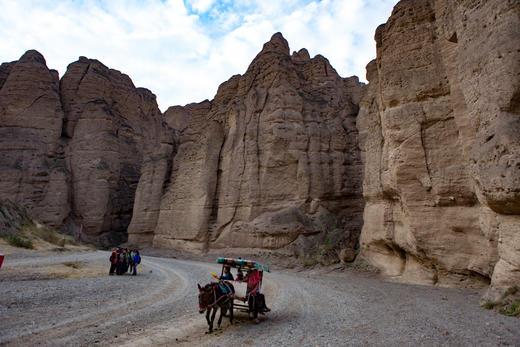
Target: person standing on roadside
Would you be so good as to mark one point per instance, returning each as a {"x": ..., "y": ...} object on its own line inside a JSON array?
[
  {"x": 137, "y": 260},
  {"x": 113, "y": 262},
  {"x": 121, "y": 262},
  {"x": 132, "y": 264},
  {"x": 127, "y": 260}
]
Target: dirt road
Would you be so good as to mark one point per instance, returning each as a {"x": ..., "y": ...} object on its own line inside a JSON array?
[{"x": 159, "y": 307}]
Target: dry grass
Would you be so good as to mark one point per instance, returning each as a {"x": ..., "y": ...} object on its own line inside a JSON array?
[
  {"x": 75, "y": 264},
  {"x": 35, "y": 232},
  {"x": 64, "y": 271},
  {"x": 20, "y": 230}
]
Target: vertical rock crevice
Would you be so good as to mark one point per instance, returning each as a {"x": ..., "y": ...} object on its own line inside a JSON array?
[
  {"x": 282, "y": 131},
  {"x": 438, "y": 119}
]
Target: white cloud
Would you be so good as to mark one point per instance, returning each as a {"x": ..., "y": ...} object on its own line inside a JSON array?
[
  {"x": 200, "y": 5},
  {"x": 181, "y": 50}
]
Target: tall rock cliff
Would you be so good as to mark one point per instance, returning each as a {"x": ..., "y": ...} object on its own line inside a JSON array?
[
  {"x": 33, "y": 169},
  {"x": 274, "y": 157},
  {"x": 74, "y": 150},
  {"x": 440, "y": 134},
  {"x": 114, "y": 129},
  {"x": 276, "y": 148}
]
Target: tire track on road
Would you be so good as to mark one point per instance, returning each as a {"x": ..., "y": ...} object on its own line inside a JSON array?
[{"x": 62, "y": 332}]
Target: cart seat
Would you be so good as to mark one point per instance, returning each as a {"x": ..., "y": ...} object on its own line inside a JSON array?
[{"x": 240, "y": 290}]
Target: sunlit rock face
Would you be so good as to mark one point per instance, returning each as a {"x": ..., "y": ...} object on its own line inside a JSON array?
[
  {"x": 439, "y": 130},
  {"x": 275, "y": 146}
]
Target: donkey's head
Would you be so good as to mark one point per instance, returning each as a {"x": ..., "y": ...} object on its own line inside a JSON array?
[{"x": 205, "y": 297}]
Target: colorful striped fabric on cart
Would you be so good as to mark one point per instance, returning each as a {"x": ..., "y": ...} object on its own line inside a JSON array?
[{"x": 242, "y": 263}]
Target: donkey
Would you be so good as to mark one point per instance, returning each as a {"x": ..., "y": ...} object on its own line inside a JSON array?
[{"x": 211, "y": 298}]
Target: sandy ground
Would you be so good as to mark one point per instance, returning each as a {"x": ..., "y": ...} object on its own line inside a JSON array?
[{"x": 47, "y": 301}]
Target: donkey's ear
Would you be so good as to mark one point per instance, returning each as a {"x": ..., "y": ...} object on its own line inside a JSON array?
[{"x": 198, "y": 285}]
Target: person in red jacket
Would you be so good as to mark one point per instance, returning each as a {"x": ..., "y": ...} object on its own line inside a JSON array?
[
  {"x": 253, "y": 282},
  {"x": 113, "y": 262}
]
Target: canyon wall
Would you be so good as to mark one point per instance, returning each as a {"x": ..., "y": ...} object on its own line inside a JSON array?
[
  {"x": 439, "y": 130},
  {"x": 256, "y": 166},
  {"x": 73, "y": 150},
  {"x": 425, "y": 159},
  {"x": 33, "y": 168}
]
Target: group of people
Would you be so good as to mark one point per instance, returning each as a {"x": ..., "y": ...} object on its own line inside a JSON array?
[
  {"x": 255, "y": 299},
  {"x": 123, "y": 260}
]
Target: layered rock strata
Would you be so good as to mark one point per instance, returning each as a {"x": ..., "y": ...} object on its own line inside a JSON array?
[
  {"x": 276, "y": 146},
  {"x": 74, "y": 150},
  {"x": 440, "y": 134}
]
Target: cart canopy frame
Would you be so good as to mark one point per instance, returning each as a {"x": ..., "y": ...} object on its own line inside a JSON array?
[{"x": 242, "y": 264}]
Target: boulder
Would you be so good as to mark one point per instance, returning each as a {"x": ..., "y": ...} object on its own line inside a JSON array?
[{"x": 348, "y": 255}]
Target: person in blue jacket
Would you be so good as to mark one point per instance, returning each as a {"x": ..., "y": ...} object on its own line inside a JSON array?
[
  {"x": 137, "y": 260},
  {"x": 227, "y": 274}
]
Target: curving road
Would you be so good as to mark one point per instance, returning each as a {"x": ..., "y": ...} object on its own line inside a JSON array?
[{"x": 159, "y": 307}]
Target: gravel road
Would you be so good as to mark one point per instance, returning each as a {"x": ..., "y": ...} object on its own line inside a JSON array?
[{"x": 159, "y": 307}]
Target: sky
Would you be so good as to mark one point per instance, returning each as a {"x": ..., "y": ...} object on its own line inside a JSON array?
[{"x": 182, "y": 50}]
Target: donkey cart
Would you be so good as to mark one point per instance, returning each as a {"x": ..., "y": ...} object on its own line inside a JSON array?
[
  {"x": 222, "y": 294},
  {"x": 241, "y": 299}
]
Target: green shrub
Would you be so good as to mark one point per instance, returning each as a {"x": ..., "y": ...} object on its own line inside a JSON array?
[
  {"x": 510, "y": 291},
  {"x": 511, "y": 308},
  {"x": 489, "y": 305},
  {"x": 18, "y": 241}
]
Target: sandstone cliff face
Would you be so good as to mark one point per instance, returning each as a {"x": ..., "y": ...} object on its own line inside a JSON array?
[
  {"x": 113, "y": 128},
  {"x": 275, "y": 147},
  {"x": 32, "y": 162},
  {"x": 440, "y": 134},
  {"x": 274, "y": 157},
  {"x": 74, "y": 150}
]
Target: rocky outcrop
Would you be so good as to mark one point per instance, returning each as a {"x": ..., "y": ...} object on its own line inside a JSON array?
[
  {"x": 155, "y": 174},
  {"x": 114, "y": 128},
  {"x": 74, "y": 150},
  {"x": 440, "y": 134},
  {"x": 254, "y": 165},
  {"x": 32, "y": 162}
]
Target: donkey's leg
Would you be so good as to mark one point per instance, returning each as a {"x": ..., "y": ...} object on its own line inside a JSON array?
[
  {"x": 222, "y": 311},
  {"x": 213, "y": 318},
  {"x": 231, "y": 312},
  {"x": 208, "y": 311}
]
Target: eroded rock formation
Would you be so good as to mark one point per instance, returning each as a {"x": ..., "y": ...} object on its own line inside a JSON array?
[
  {"x": 440, "y": 134},
  {"x": 32, "y": 160},
  {"x": 274, "y": 157},
  {"x": 115, "y": 131},
  {"x": 74, "y": 150},
  {"x": 276, "y": 146}
]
